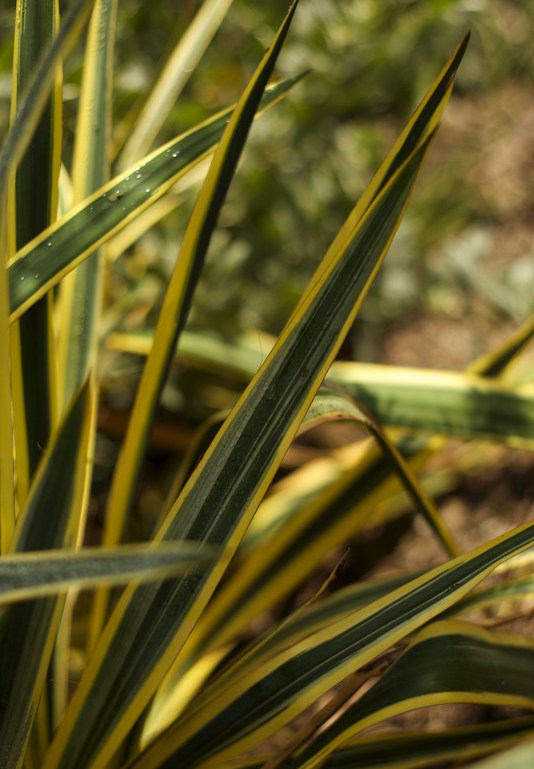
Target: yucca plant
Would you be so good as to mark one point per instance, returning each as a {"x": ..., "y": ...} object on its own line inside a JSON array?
[{"x": 165, "y": 683}]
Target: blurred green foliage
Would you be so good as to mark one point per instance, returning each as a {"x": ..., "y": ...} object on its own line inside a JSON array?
[{"x": 308, "y": 160}]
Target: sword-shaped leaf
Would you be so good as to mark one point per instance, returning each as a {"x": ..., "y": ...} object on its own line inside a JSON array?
[
  {"x": 460, "y": 405},
  {"x": 80, "y": 295},
  {"x": 50, "y": 520},
  {"x": 31, "y": 575},
  {"x": 37, "y": 91},
  {"x": 81, "y": 291},
  {"x": 35, "y": 207},
  {"x": 28, "y": 115}
]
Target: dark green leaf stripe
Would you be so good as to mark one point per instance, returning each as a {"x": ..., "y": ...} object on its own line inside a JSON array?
[
  {"x": 512, "y": 590},
  {"x": 36, "y": 176},
  {"x": 43, "y": 263},
  {"x": 46, "y": 523},
  {"x": 51, "y": 572},
  {"x": 320, "y": 614},
  {"x": 442, "y": 403},
  {"x": 35, "y": 209},
  {"x": 288, "y": 687},
  {"x": 456, "y": 666},
  {"x": 34, "y": 101}
]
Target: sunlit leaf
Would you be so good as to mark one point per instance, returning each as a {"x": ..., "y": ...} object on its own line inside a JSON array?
[{"x": 44, "y": 262}]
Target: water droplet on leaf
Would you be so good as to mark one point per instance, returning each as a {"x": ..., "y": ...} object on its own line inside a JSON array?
[{"x": 115, "y": 195}]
